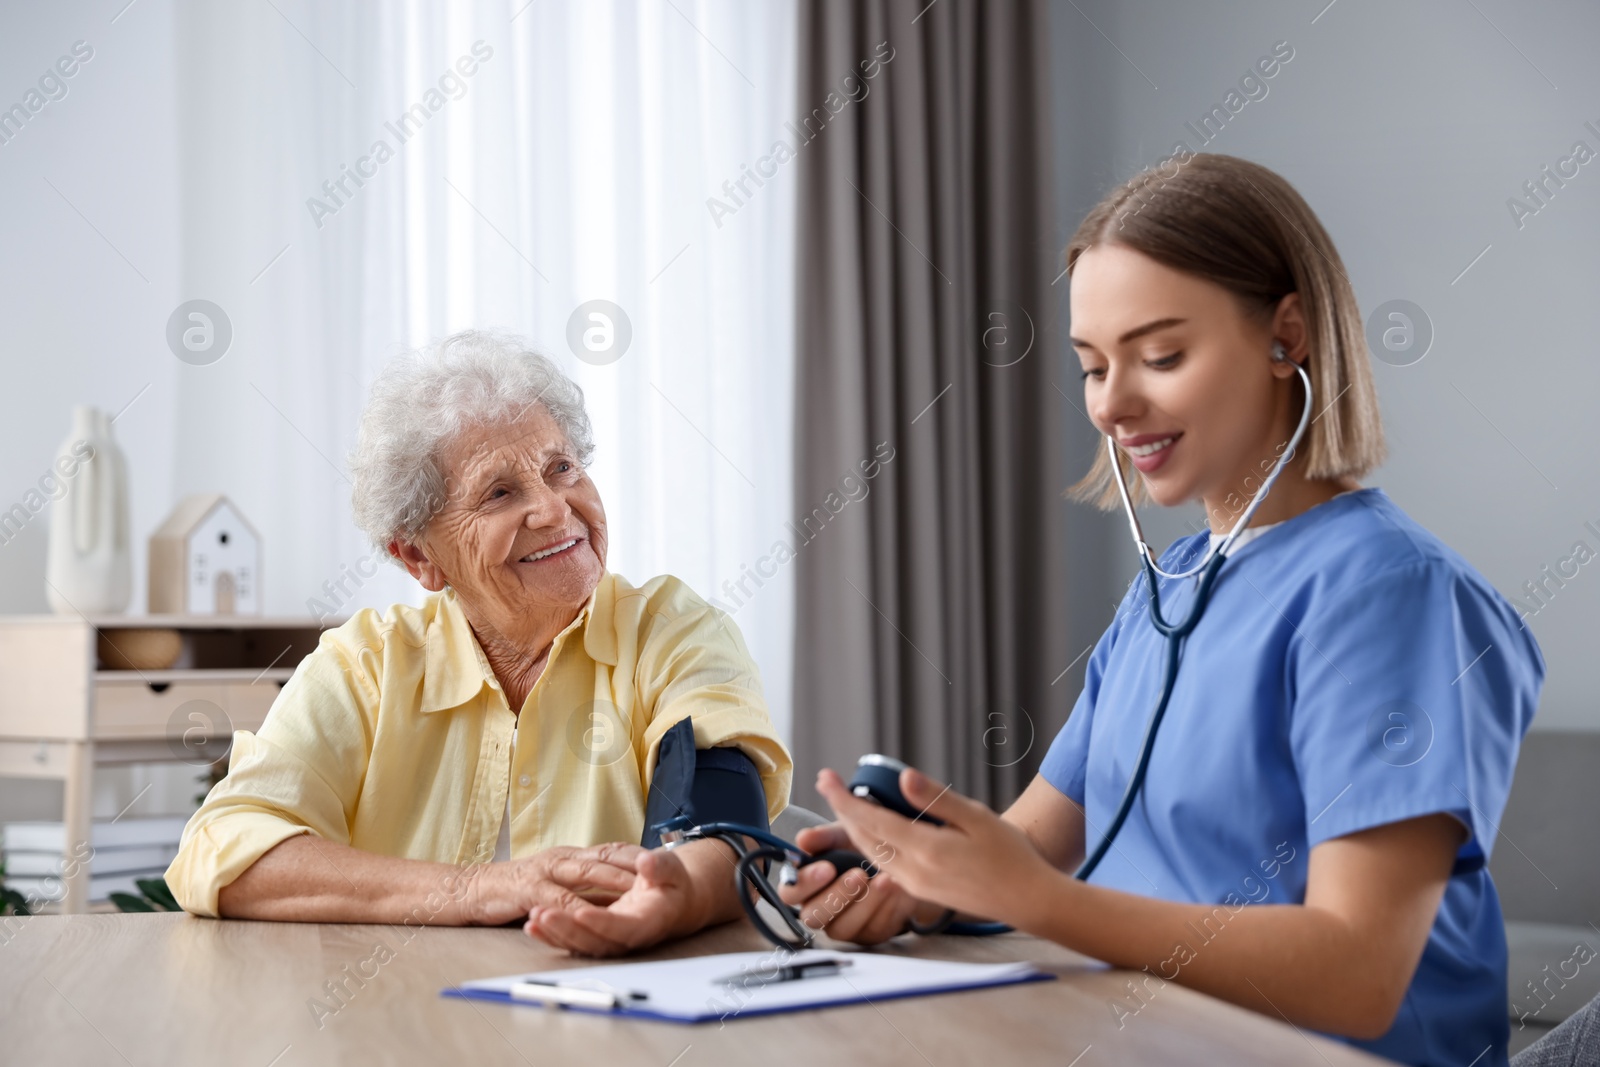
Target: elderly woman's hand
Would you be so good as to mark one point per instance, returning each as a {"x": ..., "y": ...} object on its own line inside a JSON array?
[
  {"x": 555, "y": 878},
  {"x": 662, "y": 902}
]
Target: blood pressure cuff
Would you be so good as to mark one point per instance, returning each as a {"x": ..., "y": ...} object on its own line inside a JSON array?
[{"x": 706, "y": 785}]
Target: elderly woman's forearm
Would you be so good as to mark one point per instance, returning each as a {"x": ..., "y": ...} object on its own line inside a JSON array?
[{"x": 310, "y": 879}]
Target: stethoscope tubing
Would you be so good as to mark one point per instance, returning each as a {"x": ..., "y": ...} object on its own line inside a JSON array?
[
  {"x": 1175, "y": 633},
  {"x": 1147, "y": 555}
]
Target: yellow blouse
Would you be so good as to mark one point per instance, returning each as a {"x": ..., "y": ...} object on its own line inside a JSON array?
[{"x": 395, "y": 737}]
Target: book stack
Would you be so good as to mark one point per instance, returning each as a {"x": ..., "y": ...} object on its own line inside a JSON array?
[{"x": 120, "y": 852}]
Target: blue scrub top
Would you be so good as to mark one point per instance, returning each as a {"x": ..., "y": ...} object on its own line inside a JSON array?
[{"x": 1351, "y": 670}]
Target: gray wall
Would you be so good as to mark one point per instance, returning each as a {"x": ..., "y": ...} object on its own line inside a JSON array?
[{"x": 1407, "y": 128}]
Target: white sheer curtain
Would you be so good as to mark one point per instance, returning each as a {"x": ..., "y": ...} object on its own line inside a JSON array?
[{"x": 574, "y": 163}]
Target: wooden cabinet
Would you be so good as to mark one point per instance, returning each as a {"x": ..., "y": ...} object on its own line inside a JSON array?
[{"x": 63, "y": 714}]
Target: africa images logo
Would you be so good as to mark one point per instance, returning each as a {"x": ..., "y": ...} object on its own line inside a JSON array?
[
  {"x": 853, "y": 89},
  {"x": 339, "y": 191}
]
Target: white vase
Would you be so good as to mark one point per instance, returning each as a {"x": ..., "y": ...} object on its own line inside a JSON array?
[{"x": 89, "y": 569}]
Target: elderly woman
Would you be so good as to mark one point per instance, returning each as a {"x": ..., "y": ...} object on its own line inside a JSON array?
[{"x": 490, "y": 756}]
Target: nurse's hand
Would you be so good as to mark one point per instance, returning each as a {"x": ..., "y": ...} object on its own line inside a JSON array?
[
  {"x": 976, "y": 863},
  {"x": 850, "y": 907}
]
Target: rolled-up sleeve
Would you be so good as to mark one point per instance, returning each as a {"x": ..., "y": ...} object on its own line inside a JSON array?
[
  {"x": 695, "y": 665},
  {"x": 301, "y": 774}
]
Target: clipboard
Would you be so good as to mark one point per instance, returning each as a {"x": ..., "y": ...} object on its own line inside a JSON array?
[{"x": 699, "y": 989}]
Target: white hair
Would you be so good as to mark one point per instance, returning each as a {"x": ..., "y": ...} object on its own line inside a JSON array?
[{"x": 422, "y": 401}]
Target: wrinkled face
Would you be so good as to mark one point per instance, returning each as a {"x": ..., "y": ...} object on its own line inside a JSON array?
[
  {"x": 523, "y": 533},
  {"x": 1177, "y": 373}
]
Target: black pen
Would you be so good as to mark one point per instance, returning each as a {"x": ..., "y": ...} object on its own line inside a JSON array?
[{"x": 789, "y": 972}]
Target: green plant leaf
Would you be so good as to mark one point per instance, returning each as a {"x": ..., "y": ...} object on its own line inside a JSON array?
[
  {"x": 157, "y": 891},
  {"x": 129, "y": 902},
  {"x": 15, "y": 901}
]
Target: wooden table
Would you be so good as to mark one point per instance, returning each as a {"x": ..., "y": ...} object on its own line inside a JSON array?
[{"x": 173, "y": 989}]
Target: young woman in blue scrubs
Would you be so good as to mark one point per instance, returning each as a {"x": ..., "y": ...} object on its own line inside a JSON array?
[{"x": 1325, "y": 789}]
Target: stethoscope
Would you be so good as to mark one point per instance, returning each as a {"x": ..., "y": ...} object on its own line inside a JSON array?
[
  {"x": 748, "y": 876},
  {"x": 877, "y": 777},
  {"x": 1175, "y": 632}
]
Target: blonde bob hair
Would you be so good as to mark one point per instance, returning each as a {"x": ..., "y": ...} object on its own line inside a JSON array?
[{"x": 1243, "y": 227}]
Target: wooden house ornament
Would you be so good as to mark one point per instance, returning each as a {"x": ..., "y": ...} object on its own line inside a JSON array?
[{"x": 205, "y": 559}]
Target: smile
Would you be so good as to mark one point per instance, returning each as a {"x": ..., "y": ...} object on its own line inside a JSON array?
[
  {"x": 1149, "y": 455},
  {"x": 1150, "y": 449},
  {"x": 553, "y": 550}
]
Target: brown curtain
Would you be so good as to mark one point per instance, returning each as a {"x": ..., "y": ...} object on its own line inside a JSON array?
[{"x": 931, "y": 595}]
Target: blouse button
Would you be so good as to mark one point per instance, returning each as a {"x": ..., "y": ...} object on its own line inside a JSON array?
[{"x": 525, "y": 781}]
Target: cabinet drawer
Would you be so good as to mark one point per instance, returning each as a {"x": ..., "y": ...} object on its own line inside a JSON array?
[{"x": 134, "y": 710}]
